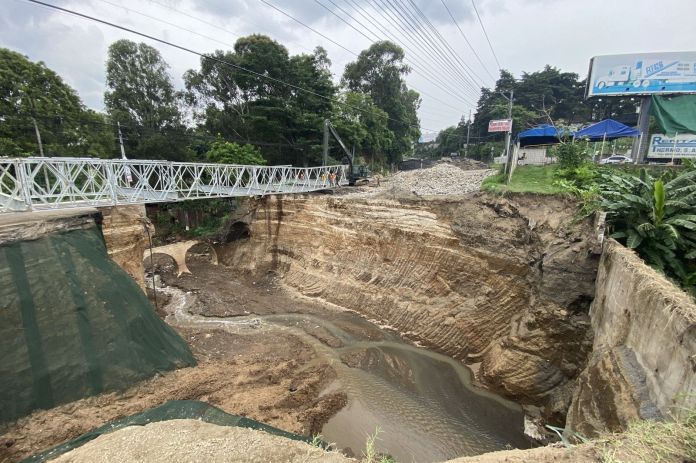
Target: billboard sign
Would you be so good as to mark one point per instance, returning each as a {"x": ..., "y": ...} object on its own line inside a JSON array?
[
  {"x": 500, "y": 125},
  {"x": 642, "y": 74},
  {"x": 664, "y": 147}
]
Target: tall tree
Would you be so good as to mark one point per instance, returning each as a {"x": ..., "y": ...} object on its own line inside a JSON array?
[
  {"x": 36, "y": 103},
  {"x": 379, "y": 72},
  {"x": 247, "y": 107},
  {"x": 141, "y": 97},
  {"x": 363, "y": 127}
]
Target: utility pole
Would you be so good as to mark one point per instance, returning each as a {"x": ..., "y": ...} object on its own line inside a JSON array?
[
  {"x": 120, "y": 141},
  {"x": 36, "y": 126},
  {"x": 38, "y": 136},
  {"x": 128, "y": 176},
  {"x": 508, "y": 134},
  {"x": 644, "y": 127},
  {"x": 326, "y": 143},
  {"x": 468, "y": 131}
]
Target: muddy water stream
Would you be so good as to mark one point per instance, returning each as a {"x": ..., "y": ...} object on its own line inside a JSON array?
[{"x": 424, "y": 404}]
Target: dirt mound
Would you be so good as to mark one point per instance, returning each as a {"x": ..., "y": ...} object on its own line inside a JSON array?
[
  {"x": 192, "y": 440},
  {"x": 264, "y": 377}
]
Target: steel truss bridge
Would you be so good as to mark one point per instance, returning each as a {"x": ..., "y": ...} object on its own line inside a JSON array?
[{"x": 41, "y": 183}]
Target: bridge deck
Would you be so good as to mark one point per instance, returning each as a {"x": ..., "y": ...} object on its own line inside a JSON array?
[{"x": 32, "y": 184}]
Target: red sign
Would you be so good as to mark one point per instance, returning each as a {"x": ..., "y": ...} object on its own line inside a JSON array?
[{"x": 500, "y": 125}]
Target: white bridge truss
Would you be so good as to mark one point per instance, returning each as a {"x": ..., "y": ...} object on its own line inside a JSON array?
[{"x": 40, "y": 183}]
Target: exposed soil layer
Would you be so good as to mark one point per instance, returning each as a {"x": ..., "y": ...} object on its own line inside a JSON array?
[
  {"x": 270, "y": 377},
  {"x": 501, "y": 282}
]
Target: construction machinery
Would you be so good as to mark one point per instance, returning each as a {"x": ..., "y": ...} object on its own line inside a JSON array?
[{"x": 355, "y": 173}]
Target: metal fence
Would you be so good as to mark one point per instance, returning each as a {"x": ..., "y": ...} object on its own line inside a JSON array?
[{"x": 31, "y": 184}]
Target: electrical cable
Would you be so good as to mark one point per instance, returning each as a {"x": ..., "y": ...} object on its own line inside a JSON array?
[
  {"x": 454, "y": 93},
  {"x": 452, "y": 51},
  {"x": 423, "y": 45},
  {"x": 203, "y": 55},
  {"x": 486, "y": 34},
  {"x": 376, "y": 24},
  {"x": 432, "y": 34},
  {"x": 467, "y": 40},
  {"x": 415, "y": 70}
]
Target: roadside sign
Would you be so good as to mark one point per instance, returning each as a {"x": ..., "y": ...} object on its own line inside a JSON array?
[
  {"x": 663, "y": 146},
  {"x": 500, "y": 125},
  {"x": 642, "y": 74}
]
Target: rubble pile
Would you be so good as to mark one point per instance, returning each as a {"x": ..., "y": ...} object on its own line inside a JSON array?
[{"x": 441, "y": 179}]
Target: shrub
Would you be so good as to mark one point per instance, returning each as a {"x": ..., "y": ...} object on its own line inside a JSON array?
[
  {"x": 655, "y": 217},
  {"x": 571, "y": 155}
]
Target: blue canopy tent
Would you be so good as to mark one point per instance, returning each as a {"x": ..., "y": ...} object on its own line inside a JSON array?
[
  {"x": 545, "y": 134},
  {"x": 607, "y": 129}
]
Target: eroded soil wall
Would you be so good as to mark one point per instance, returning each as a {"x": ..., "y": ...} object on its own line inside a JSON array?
[
  {"x": 503, "y": 284},
  {"x": 643, "y": 364}
]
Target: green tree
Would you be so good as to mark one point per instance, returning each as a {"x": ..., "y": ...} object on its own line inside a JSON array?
[
  {"x": 141, "y": 97},
  {"x": 247, "y": 107},
  {"x": 363, "y": 127},
  {"x": 33, "y": 97},
  {"x": 379, "y": 72},
  {"x": 224, "y": 152}
]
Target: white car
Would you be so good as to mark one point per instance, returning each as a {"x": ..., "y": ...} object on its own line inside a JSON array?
[{"x": 617, "y": 159}]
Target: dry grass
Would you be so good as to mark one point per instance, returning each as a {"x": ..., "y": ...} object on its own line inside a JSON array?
[{"x": 652, "y": 442}]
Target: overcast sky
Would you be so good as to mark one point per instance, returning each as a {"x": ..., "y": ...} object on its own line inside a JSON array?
[{"x": 526, "y": 35}]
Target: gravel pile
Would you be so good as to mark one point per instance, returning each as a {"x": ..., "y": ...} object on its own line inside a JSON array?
[{"x": 441, "y": 179}]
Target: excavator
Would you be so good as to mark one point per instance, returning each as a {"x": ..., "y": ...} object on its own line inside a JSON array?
[{"x": 355, "y": 173}]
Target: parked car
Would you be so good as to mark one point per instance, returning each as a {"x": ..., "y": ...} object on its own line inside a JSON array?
[{"x": 617, "y": 159}]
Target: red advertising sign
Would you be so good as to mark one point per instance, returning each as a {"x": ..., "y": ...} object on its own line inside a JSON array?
[{"x": 500, "y": 125}]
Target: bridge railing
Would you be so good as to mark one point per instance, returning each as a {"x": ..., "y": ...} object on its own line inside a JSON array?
[{"x": 28, "y": 184}]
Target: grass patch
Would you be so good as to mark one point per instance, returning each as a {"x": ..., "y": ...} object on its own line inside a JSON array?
[
  {"x": 525, "y": 179},
  {"x": 652, "y": 442}
]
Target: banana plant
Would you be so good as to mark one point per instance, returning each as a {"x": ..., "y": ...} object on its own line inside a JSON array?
[{"x": 657, "y": 218}]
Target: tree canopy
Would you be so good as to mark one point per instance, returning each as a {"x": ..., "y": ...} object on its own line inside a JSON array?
[
  {"x": 141, "y": 97},
  {"x": 35, "y": 99},
  {"x": 258, "y": 94},
  {"x": 379, "y": 72}
]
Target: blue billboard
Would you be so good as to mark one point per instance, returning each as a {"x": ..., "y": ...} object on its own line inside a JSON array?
[{"x": 642, "y": 74}]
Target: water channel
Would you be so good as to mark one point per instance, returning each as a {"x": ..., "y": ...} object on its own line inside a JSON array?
[{"x": 423, "y": 403}]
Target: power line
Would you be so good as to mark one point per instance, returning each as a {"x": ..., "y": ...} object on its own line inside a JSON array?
[
  {"x": 431, "y": 31},
  {"x": 390, "y": 36},
  {"x": 203, "y": 55},
  {"x": 308, "y": 27},
  {"x": 338, "y": 44},
  {"x": 173, "y": 133},
  {"x": 216, "y": 26},
  {"x": 486, "y": 34},
  {"x": 448, "y": 46},
  {"x": 226, "y": 44},
  {"x": 422, "y": 43},
  {"x": 407, "y": 60},
  {"x": 471, "y": 47}
]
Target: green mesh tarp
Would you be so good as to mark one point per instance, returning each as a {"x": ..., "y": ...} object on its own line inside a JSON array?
[
  {"x": 172, "y": 410},
  {"x": 74, "y": 324},
  {"x": 675, "y": 114}
]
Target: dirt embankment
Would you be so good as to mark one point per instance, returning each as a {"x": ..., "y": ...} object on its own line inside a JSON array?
[
  {"x": 500, "y": 283},
  {"x": 272, "y": 377},
  {"x": 192, "y": 440}
]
